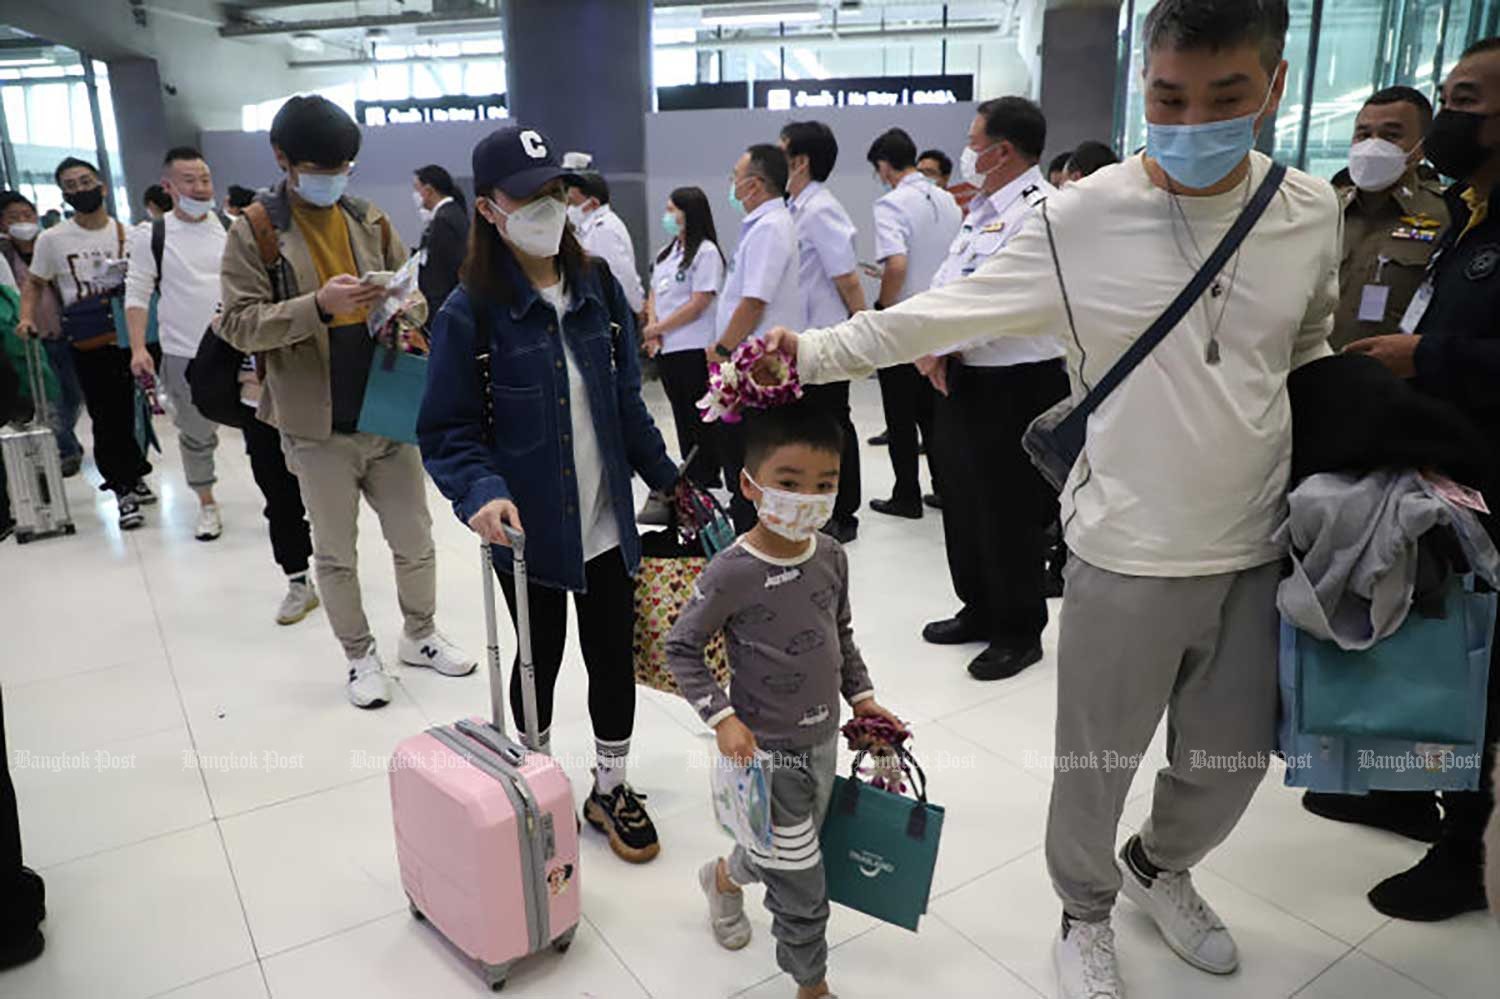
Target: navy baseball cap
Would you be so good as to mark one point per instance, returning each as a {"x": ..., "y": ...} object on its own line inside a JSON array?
[{"x": 517, "y": 160}]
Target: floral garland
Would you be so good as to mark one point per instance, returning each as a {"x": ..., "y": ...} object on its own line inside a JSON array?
[
  {"x": 881, "y": 738},
  {"x": 732, "y": 389}
]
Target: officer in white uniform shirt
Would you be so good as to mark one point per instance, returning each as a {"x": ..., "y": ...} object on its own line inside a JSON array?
[
  {"x": 762, "y": 289},
  {"x": 831, "y": 292},
  {"x": 989, "y": 392},
  {"x": 914, "y": 223},
  {"x": 603, "y": 233}
]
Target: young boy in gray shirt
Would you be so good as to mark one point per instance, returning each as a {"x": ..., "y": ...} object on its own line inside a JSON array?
[{"x": 781, "y": 596}]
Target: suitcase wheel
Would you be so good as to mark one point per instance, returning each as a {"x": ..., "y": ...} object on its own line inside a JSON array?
[
  {"x": 562, "y": 943},
  {"x": 494, "y": 975},
  {"x": 415, "y": 912}
]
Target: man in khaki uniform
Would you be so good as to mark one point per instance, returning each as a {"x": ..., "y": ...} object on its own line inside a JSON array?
[
  {"x": 1392, "y": 215},
  {"x": 299, "y": 305}
]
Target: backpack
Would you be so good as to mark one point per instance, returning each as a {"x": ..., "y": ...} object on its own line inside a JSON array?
[{"x": 213, "y": 375}]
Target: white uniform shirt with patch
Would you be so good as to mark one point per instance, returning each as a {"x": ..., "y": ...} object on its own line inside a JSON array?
[
  {"x": 764, "y": 267},
  {"x": 674, "y": 286},
  {"x": 825, "y": 249},
  {"x": 991, "y": 223},
  {"x": 603, "y": 235}
]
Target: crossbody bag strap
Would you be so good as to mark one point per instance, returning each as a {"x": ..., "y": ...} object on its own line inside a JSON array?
[{"x": 1185, "y": 299}]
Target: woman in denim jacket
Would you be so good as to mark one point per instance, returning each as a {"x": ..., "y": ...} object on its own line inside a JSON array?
[{"x": 533, "y": 416}]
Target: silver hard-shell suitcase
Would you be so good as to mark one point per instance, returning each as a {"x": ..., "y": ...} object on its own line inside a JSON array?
[{"x": 33, "y": 470}]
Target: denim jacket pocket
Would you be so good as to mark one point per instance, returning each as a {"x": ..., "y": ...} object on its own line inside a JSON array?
[{"x": 520, "y": 419}]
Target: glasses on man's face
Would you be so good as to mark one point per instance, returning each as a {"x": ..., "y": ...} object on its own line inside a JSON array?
[{"x": 77, "y": 184}]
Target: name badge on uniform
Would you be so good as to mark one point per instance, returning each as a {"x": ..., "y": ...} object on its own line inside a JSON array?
[
  {"x": 1372, "y": 302},
  {"x": 1418, "y": 308}
]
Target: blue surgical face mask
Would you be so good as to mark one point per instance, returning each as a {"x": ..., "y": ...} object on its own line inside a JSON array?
[
  {"x": 669, "y": 225},
  {"x": 322, "y": 189},
  {"x": 734, "y": 198},
  {"x": 1199, "y": 156}
]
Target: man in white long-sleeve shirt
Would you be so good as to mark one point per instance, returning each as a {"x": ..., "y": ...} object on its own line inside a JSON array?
[
  {"x": 1171, "y": 601},
  {"x": 603, "y": 233},
  {"x": 191, "y": 243}
]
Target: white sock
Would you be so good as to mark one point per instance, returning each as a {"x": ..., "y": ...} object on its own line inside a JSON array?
[{"x": 610, "y": 759}]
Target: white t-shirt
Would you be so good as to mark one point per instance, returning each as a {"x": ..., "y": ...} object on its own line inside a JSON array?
[
  {"x": 81, "y": 262},
  {"x": 1186, "y": 466},
  {"x": 764, "y": 267},
  {"x": 917, "y": 219},
  {"x": 674, "y": 287},
  {"x": 990, "y": 225},
  {"x": 603, "y": 235},
  {"x": 189, "y": 282},
  {"x": 596, "y": 517},
  {"x": 825, "y": 246}
]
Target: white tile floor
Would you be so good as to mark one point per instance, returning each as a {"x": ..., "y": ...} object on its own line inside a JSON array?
[{"x": 169, "y": 878}]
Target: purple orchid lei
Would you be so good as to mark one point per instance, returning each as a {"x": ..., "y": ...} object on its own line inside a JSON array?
[
  {"x": 879, "y": 737},
  {"x": 732, "y": 389}
]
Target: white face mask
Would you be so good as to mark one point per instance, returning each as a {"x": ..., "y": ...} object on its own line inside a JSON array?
[
  {"x": 24, "y": 232},
  {"x": 422, "y": 210},
  {"x": 576, "y": 215},
  {"x": 536, "y": 228},
  {"x": 968, "y": 166},
  {"x": 794, "y": 516},
  {"x": 193, "y": 208},
  {"x": 1376, "y": 164}
]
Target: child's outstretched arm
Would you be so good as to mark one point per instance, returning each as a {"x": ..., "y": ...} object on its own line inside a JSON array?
[{"x": 705, "y": 614}]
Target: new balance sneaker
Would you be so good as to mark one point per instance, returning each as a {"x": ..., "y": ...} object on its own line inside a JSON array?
[
  {"x": 1084, "y": 958},
  {"x": 300, "y": 600},
  {"x": 369, "y": 686},
  {"x": 621, "y": 816},
  {"x": 1192, "y": 929},
  {"x": 131, "y": 516},
  {"x": 726, "y": 909},
  {"x": 436, "y": 652},
  {"x": 210, "y": 524},
  {"x": 143, "y": 494}
]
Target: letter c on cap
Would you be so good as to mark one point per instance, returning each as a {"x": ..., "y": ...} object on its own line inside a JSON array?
[{"x": 532, "y": 142}]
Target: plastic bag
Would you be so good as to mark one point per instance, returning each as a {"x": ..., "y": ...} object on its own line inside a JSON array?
[
  {"x": 401, "y": 294},
  {"x": 742, "y": 802}
]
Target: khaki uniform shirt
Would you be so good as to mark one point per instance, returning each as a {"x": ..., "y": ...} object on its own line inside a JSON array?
[{"x": 1387, "y": 242}]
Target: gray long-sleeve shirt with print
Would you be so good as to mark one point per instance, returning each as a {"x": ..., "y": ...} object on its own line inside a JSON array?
[{"x": 788, "y": 628}]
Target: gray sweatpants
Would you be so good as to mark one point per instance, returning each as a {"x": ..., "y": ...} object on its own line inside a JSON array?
[
  {"x": 197, "y": 435},
  {"x": 796, "y": 893},
  {"x": 333, "y": 475},
  {"x": 1204, "y": 649}
]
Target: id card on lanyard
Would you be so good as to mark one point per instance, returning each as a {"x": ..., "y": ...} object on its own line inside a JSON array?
[{"x": 1412, "y": 319}]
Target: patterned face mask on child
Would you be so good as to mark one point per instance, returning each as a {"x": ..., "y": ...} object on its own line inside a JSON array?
[{"x": 794, "y": 516}]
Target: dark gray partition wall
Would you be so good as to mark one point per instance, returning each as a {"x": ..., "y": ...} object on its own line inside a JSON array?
[{"x": 580, "y": 70}]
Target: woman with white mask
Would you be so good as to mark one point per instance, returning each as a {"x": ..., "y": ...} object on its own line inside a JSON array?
[{"x": 546, "y": 432}]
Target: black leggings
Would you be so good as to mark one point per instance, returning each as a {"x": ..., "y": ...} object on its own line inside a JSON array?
[
  {"x": 606, "y": 632},
  {"x": 291, "y": 538}
]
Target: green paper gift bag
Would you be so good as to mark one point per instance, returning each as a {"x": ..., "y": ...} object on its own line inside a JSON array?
[
  {"x": 879, "y": 848},
  {"x": 393, "y": 395}
]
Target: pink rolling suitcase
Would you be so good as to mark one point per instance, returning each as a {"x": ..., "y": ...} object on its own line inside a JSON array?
[{"x": 485, "y": 832}]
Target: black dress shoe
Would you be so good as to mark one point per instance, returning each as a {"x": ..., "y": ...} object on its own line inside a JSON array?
[
  {"x": 25, "y": 947},
  {"x": 952, "y": 631},
  {"x": 1413, "y": 814},
  {"x": 882, "y": 439},
  {"x": 842, "y": 531},
  {"x": 1448, "y": 882},
  {"x": 933, "y": 500},
  {"x": 999, "y": 662},
  {"x": 910, "y": 509}
]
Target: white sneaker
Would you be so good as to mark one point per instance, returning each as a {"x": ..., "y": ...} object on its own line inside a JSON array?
[
  {"x": 301, "y": 600},
  {"x": 369, "y": 686},
  {"x": 1186, "y": 922},
  {"x": 210, "y": 524},
  {"x": 436, "y": 652},
  {"x": 1085, "y": 962}
]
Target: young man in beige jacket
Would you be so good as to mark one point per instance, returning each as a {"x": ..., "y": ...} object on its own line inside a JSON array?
[{"x": 303, "y": 316}]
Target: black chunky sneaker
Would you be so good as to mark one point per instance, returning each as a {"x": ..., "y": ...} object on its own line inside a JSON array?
[{"x": 621, "y": 816}]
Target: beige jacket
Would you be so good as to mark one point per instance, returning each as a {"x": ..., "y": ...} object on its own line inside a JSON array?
[{"x": 270, "y": 312}]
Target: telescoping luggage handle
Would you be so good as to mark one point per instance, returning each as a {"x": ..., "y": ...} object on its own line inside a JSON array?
[
  {"x": 517, "y": 540},
  {"x": 41, "y": 412}
]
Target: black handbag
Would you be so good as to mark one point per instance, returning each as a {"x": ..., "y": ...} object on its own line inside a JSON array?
[
  {"x": 1055, "y": 439},
  {"x": 213, "y": 378}
]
